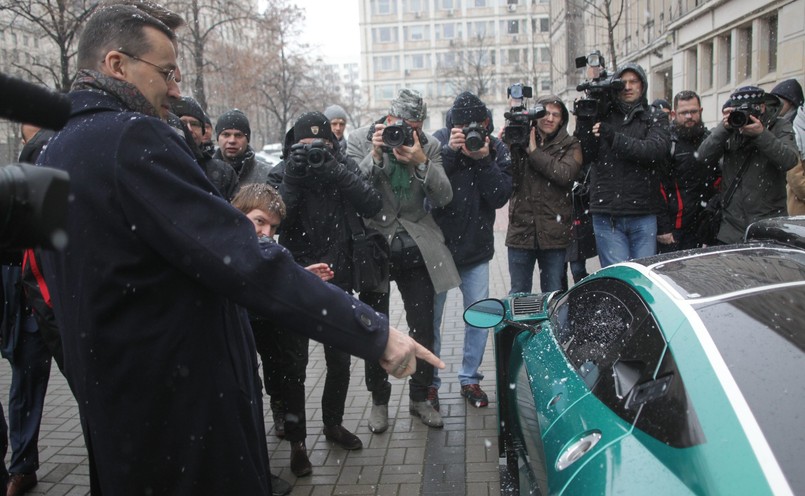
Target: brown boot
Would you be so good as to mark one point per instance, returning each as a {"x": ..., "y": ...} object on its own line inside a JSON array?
[{"x": 300, "y": 464}]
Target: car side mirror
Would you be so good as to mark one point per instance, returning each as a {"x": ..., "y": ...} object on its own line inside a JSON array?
[{"x": 485, "y": 313}]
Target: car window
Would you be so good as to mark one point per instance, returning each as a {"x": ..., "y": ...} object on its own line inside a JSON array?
[{"x": 616, "y": 346}]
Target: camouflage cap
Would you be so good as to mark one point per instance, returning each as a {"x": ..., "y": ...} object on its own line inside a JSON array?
[{"x": 409, "y": 106}]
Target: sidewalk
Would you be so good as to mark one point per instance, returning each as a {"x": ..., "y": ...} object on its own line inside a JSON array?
[{"x": 408, "y": 459}]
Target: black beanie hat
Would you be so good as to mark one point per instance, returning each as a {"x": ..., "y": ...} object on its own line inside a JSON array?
[
  {"x": 233, "y": 119},
  {"x": 188, "y": 106},
  {"x": 312, "y": 125},
  {"x": 661, "y": 103},
  {"x": 790, "y": 90},
  {"x": 468, "y": 108}
]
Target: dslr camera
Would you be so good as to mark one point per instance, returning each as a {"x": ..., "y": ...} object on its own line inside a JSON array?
[
  {"x": 520, "y": 119},
  {"x": 475, "y": 136},
  {"x": 739, "y": 117},
  {"x": 598, "y": 90},
  {"x": 314, "y": 154},
  {"x": 400, "y": 134}
]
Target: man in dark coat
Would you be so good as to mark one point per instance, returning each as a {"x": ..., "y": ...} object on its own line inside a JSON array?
[
  {"x": 318, "y": 199},
  {"x": 159, "y": 356},
  {"x": 482, "y": 183},
  {"x": 625, "y": 175},
  {"x": 234, "y": 134},
  {"x": 688, "y": 183}
]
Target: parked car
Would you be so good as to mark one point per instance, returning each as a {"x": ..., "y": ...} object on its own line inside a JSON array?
[{"x": 677, "y": 374}]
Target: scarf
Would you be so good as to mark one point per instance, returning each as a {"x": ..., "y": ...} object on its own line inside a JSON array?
[
  {"x": 87, "y": 79},
  {"x": 400, "y": 179}
]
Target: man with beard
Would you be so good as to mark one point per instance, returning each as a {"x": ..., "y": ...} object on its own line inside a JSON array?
[
  {"x": 756, "y": 154},
  {"x": 689, "y": 183}
]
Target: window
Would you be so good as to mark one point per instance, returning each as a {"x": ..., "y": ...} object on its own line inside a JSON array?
[
  {"x": 610, "y": 336},
  {"x": 384, "y": 7},
  {"x": 417, "y": 33},
  {"x": 744, "y": 53},
  {"x": 544, "y": 25},
  {"x": 480, "y": 29},
  {"x": 725, "y": 59},
  {"x": 415, "y": 6},
  {"x": 512, "y": 27},
  {"x": 768, "y": 42},
  {"x": 448, "y": 4},
  {"x": 384, "y": 92},
  {"x": 478, "y": 4},
  {"x": 512, "y": 56},
  {"x": 544, "y": 54},
  {"x": 545, "y": 85},
  {"x": 386, "y": 63},
  {"x": 416, "y": 61},
  {"x": 384, "y": 35}
]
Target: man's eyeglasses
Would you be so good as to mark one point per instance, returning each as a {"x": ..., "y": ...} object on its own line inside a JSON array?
[
  {"x": 688, "y": 113},
  {"x": 170, "y": 74}
]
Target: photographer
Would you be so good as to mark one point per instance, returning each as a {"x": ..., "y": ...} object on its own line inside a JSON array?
[
  {"x": 540, "y": 210},
  {"x": 758, "y": 149},
  {"x": 405, "y": 165},
  {"x": 633, "y": 139},
  {"x": 477, "y": 166},
  {"x": 320, "y": 188}
]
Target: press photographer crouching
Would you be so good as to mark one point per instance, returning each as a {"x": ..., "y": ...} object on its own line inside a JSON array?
[
  {"x": 758, "y": 148},
  {"x": 544, "y": 169},
  {"x": 626, "y": 166}
]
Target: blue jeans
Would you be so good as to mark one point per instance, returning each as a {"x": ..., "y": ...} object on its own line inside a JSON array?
[
  {"x": 551, "y": 269},
  {"x": 474, "y": 286},
  {"x": 622, "y": 238}
]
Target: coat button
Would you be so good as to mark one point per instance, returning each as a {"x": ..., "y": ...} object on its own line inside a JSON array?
[{"x": 365, "y": 320}]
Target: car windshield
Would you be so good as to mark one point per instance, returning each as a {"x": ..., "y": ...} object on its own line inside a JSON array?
[
  {"x": 724, "y": 272},
  {"x": 762, "y": 340}
]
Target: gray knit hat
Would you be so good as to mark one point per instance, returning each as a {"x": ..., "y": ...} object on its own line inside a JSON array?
[
  {"x": 335, "y": 112},
  {"x": 409, "y": 105}
]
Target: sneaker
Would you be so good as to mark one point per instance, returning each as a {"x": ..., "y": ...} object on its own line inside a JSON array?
[
  {"x": 433, "y": 397},
  {"x": 279, "y": 487},
  {"x": 424, "y": 410},
  {"x": 342, "y": 437},
  {"x": 475, "y": 395},
  {"x": 379, "y": 419}
]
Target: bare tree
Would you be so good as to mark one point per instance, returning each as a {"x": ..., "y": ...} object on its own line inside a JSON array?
[
  {"x": 60, "y": 21},
  {"x": 610, "y": 11},
  {"x": 473, "y": 68},
  {"x": 208, "y": 20}
]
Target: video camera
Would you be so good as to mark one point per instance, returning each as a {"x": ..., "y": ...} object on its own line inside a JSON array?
[
  {"x": 519, "y": 118},
  {"x": 598, "y": 90},
  {"x": 33, "y": 200}
]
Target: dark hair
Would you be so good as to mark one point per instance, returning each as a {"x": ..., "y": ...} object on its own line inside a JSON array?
[
  {"x": 115, "y": 27},
  {"x": 686, "y": 95}
]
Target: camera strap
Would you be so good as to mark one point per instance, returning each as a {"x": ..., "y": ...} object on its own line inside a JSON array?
[{"x": 734, "y": 184}]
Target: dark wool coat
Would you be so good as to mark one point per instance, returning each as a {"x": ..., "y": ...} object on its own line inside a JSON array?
[
  {"x": 159, "y": 355},
  {"x": 480, "y": 187}
]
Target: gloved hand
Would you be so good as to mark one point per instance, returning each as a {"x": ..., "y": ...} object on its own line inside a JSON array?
[
  {"x": 606, "y": 132},
  {"x": 297, "y": 161}
]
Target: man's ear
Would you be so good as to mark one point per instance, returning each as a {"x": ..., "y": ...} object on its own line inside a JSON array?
[
  {"x": 114, "y": 65},
  {"x": 673, "y": 115}
]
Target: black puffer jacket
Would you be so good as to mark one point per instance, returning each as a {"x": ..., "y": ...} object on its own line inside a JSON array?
[
  {"x": 316, "y": 227},
  {"x": 625, "y": 178}
]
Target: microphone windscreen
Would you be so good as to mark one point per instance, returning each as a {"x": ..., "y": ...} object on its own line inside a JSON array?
[{"x": 28, "y": 103}]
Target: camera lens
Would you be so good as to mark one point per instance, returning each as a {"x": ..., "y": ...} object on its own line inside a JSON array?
[
  {"x": 738, "y": 118},
  {"x": 315, "y": 157},
  {"x": 474, "y": 141},
  {"x": 393, "y": 136}
]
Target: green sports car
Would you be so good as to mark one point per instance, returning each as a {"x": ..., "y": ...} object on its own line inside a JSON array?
[{"x": 678, "y": 374}]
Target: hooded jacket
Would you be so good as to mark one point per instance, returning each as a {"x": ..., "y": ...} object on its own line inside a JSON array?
[
  {"x": 761, "y": 192},
  {"x": 625, "y": 178},
  {"x": 541, "y": 206},
  {"x": 480, "y": 187}
]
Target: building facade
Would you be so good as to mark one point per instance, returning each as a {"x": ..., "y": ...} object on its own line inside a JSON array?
[
  {"x": 444, "y": 47},
  {"x": 708, "y": 46}
]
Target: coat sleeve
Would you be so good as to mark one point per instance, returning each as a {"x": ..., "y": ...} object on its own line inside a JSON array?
[
  {"x": 161, "y": 194},
  {"x": 494, "y": 176},
  {"x": 778, "y": 145},
  {"x": 437, "y": 186},
  {"x": 712, "y": 148},
  {"x": 646, "y": 152},
  {"x": 795, "y": 178},
  {"x": 561, "y": 168},
  {"x": 358, "y": 191}
]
